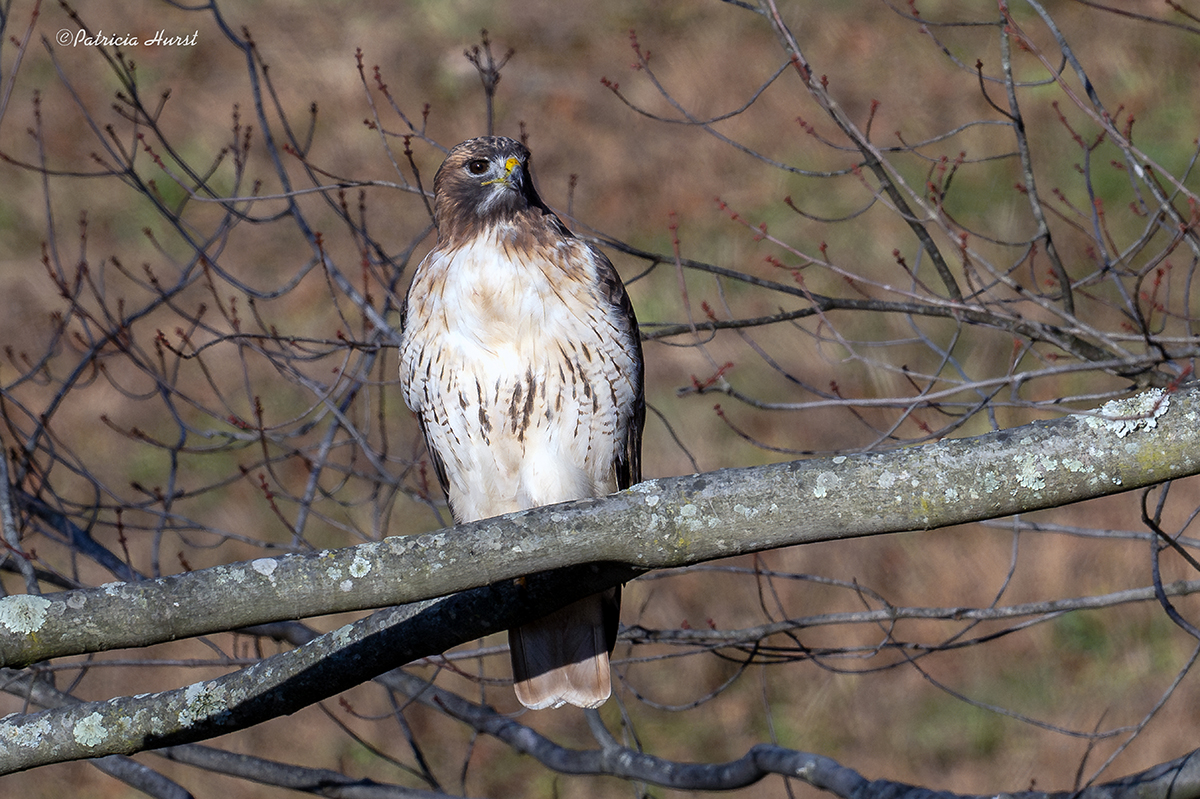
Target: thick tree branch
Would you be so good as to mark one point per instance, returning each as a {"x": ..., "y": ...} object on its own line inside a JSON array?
[
  {"x": 1144, "y": 440},
  {"x": 663, "y": 523},
  {"x": 285, "y": 683},
  {"x": 269, "y": 772}
]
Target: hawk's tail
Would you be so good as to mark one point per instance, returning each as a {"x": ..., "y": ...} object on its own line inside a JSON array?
[{"x": 563, "y": 658}]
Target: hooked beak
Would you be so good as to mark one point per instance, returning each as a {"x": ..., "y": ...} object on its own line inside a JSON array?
[{"x": 511, "y": 166}]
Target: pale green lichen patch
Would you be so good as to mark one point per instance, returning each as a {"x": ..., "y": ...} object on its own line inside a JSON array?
[
  {"x": 749, "y": 513},
  {"x": 1032, "y": 469},
  {"x": 1075, "y": 465},
  {"x": 360, "y": 567},
  {"x": 89, "y": 730},
  {"x": 202, "y": 701},
  {"x": 826, "y": 483},
  {"x": 691, "y": 518},
  {"x": 266, "y": 567},
  {"x": 1125, "y": 416},
  {"x": 342, "y": 635},
  {"x": 27, "y": 735},
  {"x": 433, "y": 543},
  {"x": 23, "y": 613}
]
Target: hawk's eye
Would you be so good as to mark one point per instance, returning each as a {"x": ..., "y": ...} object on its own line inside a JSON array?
[{"x": 477, "y": 166}]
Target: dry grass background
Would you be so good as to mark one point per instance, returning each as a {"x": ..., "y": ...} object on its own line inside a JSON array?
[{"x": 1081, "y": 671}]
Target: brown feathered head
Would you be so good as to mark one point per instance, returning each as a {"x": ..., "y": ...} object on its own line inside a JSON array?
[{"x": 483, "y": 182}]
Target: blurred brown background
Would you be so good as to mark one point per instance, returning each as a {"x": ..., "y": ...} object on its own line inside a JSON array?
[{"x": 629, "y": 177}]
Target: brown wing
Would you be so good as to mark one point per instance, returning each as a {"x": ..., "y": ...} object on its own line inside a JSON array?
[
  {"x": 439, "y": 467},
  {"x": 629, "y": 457}
]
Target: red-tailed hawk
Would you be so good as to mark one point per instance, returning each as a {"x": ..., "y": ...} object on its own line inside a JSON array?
[{"x": 520, "y": 357}]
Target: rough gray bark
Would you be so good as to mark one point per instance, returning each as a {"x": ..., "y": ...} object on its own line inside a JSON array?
[
  {"x": 662, "y": 523},
  {"x": 670, "y": 522},
  {"x": 282, "y": 684}
]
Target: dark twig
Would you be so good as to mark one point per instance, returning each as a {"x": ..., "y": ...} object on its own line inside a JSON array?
[{"x": 488, "y": 67}]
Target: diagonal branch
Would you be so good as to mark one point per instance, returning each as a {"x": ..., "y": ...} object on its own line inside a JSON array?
[
  {"x": 663, "y": 523},
  {"x": 1129, "y": 444},
  {"x": 282, "y": 684}
]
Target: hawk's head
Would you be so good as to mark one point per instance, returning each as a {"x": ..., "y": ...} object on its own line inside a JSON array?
[{"x": 483, "y": 181}]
